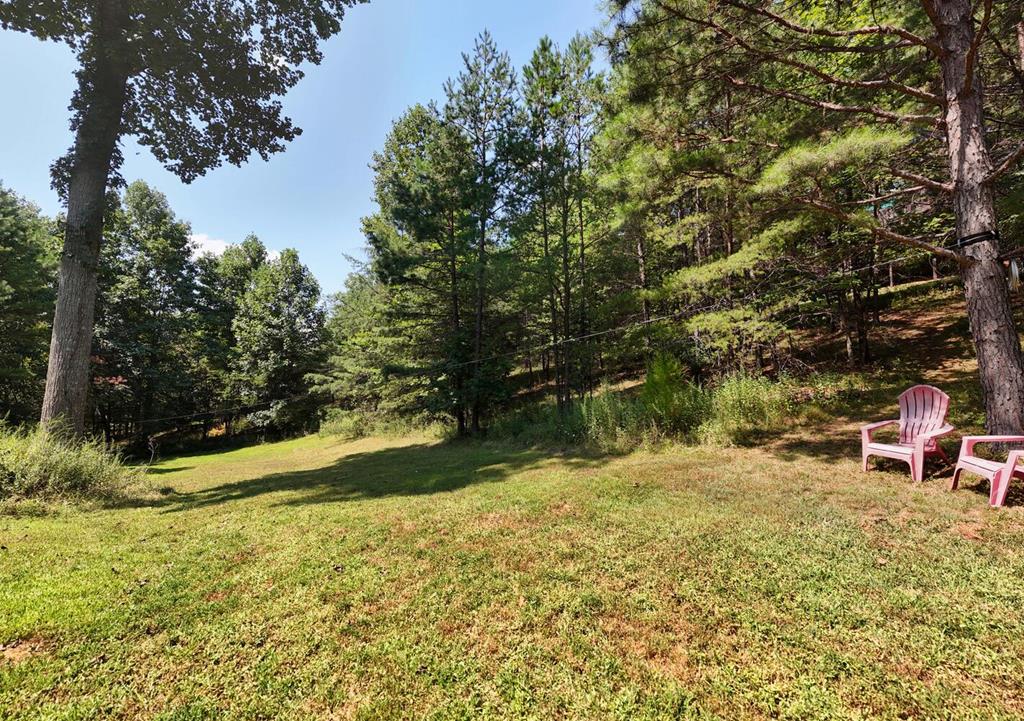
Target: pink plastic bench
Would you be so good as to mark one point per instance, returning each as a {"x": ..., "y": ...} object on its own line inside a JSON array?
[
  {"x": 999, "y": 474},
  {"x": 922, "y": 421}
]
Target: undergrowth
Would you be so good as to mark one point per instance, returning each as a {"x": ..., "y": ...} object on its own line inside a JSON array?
[
  {"x": 353, "y": 425},
  {"x": 669, "y": 407}
]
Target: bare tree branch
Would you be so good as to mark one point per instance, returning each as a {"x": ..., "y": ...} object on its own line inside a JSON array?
[
  {"x": 972, "y": 52},
  {"x": 887, "y": 196},
  {"x": 1004, "y": 167},
  {"x": 1011, "y": 61}
]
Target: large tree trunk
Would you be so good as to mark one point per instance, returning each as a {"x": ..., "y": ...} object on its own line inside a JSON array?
[
  {"x": 453, "y": 281},
  {"x": 478, "y": 328},
  {"x": 1000, "y": 362},
  {"x": 567, "y": 351},
  {"x": 102, "y": 92}
]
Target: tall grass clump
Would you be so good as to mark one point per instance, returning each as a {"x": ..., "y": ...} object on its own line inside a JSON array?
[
  {"x": 353, "y": 425},
  {"x": 36, "y": 464},
  {"x": 616, "y": 423},
  {"x": 743, "y": 404},
  {"x": 668, "y": 407}
]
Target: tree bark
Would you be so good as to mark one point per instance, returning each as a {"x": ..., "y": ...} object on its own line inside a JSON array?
[
  {"x": 1000, "y": 361},
  {"x": 103, "y": 93}
]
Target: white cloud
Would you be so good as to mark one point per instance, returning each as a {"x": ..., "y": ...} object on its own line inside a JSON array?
[{"x": 206, "y": 244}]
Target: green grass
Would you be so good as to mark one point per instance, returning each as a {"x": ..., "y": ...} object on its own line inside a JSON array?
[{"x": 410, "y": 578}]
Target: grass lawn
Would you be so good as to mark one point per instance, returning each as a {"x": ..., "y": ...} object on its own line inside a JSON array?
[{"x": 407, "y": 579}]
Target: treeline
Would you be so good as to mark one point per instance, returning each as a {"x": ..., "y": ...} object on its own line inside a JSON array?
[
  {"x": 545, "y": 230},
  {"x": 184, "y": 343},
  {"x": 734, "y": 174}
]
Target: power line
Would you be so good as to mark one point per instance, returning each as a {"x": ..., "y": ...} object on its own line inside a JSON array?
[{"x": 684, "y": 313}]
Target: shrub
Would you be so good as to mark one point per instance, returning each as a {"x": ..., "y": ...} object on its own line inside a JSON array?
[
  {"x": 675, "y": 404},
  {"x": 46, "y": 465}
]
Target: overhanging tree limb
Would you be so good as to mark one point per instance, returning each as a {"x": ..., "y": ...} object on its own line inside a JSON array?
[
  {"x": 915, "y": 242},
  {"x": 879, "y": 84},
  {"x": 889, "y": 30},
  {"x": 879, "y": 113}
]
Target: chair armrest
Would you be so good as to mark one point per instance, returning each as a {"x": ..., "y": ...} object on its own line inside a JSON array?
[
  {"x": 926, "y": 436},
  {"x": 970, "y": 441},
  {"x": 866, "y": 431},
  {"x": 937, "y": 433},
  {"x": 1011, "y": 462}
]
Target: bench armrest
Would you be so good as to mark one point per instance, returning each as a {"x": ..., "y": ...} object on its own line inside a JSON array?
[{"x": 969, "y": 442}]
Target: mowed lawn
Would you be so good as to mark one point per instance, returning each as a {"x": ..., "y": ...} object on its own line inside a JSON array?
[{"x": 411, "y": 579}]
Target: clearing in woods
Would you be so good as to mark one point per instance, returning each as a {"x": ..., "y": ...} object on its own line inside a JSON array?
[{"x": 410, "y": 578}]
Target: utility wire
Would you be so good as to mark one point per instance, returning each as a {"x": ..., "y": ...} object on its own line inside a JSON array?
[{"x": 686, "y": 312}]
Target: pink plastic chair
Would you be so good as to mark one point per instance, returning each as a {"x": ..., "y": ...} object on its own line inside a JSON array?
[
  {"x": 922, "y": 421},
  {"x": 999, "y": 474}
]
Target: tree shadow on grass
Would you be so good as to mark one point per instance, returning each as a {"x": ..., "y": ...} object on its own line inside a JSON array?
[{"x": 411, "y": 470}]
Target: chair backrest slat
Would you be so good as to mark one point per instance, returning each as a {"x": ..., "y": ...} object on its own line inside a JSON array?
[{"x": 922, "y": 408}]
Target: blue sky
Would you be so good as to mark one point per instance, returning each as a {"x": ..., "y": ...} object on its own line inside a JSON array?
[{"x": 389, "y": 55}]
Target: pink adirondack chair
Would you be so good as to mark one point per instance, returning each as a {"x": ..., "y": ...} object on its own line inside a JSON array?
[
  {"x": 922, "y": 421},
  {"x": 999, "y": 474}
]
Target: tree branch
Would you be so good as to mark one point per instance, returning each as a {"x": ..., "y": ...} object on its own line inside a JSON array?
[
  {"x": 855, "y": 32},
  {"x": 1011, "y": 61},
  {"x": 1005, "y": 166},
  {"x": 972, "y": 52},
  {"x": 879, "y": 113},
  {"x": 885, "y": 83},
  {"x": 887, "y": 196},
  {"x": 922, "y": 180},
  {"x": 885, "y": 233}
]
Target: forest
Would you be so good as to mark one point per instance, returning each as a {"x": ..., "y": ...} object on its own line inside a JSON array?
[{"x": 719, "y": 183}]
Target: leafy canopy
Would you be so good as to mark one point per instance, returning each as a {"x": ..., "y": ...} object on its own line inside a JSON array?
[{"x": 204, "y": 76}]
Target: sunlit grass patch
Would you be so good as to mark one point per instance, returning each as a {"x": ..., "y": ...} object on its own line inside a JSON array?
[{"x": 411, "y": 578}]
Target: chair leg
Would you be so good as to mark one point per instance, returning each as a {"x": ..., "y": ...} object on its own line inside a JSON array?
[
  {"x": 864, "y": 456},
  {"x": 941, "y": 453},
  {"x": 917, "y": 467},
  {"x": 1000, "y": 487},
  {"x": 956, "y": 478}
]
